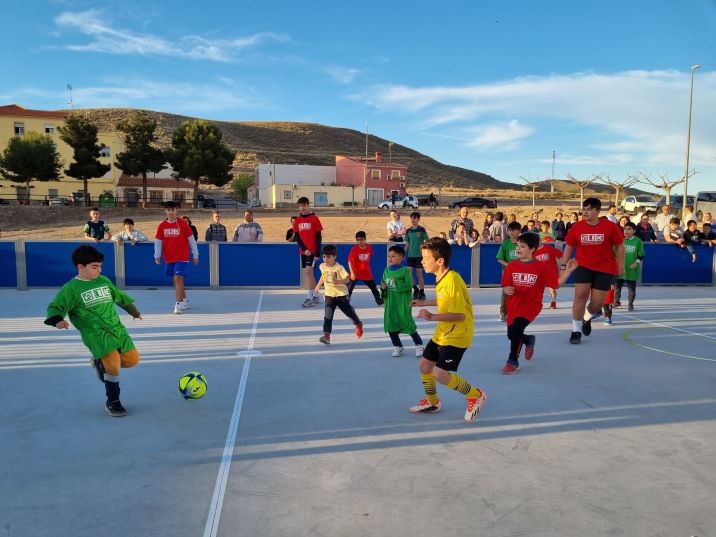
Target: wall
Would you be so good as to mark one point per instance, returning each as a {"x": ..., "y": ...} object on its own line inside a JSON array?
[
  {"x": 274, "y": 196},
  {"x": 292, "y": 174}
]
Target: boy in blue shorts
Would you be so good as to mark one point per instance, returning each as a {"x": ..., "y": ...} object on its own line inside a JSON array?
[
  {"x": 453, "y": 333},
  {"x": 415, "y": 236}
]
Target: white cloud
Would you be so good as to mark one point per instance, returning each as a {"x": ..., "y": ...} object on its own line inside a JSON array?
[
  {"x": 342, "y": 75},
  {"x": 106, "y": 39},
  {"x": 500, "y": 135}
]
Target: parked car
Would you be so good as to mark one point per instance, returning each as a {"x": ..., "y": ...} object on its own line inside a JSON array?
[
  {"x": 475, "y": 201},
  {"x": 676, "y": 203},
  {"x": 634, "y": 204},
  {"x": 4, "y": 202},
  {"x": 205, "y": 201},
  {"x": 254, "y": 202},
  {"x": 54, "y": 202},
  {"x": 400, "y": 201},
  {"x": 705, "y": 203}
]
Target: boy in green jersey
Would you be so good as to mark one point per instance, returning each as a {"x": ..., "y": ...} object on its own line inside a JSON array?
[
  {"x": 396, "y": 284},
  {"x": 633, "y": 258},
  {"x": 88, "y": 299},
  {"x": 415, "y": 236},
  {"x": 506, "y": 255}
]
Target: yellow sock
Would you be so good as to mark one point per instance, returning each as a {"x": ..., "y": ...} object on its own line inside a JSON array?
[
  {"x": 430, "y": 386},
  {"x": 459, "y": 384}
]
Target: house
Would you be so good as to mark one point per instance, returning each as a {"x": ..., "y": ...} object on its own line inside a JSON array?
[
  {"x": 161, "y": 187},
  {"x": 17, "y": 121},
  {"x": 374, "y": 178}
]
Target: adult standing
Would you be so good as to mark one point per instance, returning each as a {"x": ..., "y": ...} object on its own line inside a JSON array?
[
  {"x": 250, "y": 231},
  {"x": 644, "y": 230},
  {"x": 461, "y": 219},
  {"x": 216, "y": 231},
  {"x": 689, "y": 215},
  {"x": 662, "y": 219},
  {"x": 573, "y": 219},
  {"x": 559, "y": 230},
  {"x": 595, "y": 241},
  {"x": 612, "y": 214},
  {"x": 498, "y": 229},
  {"x": 396, "y": 228}
]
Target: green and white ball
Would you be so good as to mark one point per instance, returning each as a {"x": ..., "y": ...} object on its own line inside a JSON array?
[{"x": 193, "y": 385}]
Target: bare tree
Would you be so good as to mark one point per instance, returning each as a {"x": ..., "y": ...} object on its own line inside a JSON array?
[
  {"x": 666, "y": 184},
  {"x": 534, "y": 185},
  {"x": 582, "y": 184},
  {"x": 619, "y": 185}
]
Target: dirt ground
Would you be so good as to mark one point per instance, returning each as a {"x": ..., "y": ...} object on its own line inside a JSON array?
[{"x": 340, "y": 225}]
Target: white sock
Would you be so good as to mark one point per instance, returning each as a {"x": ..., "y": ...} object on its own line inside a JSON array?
[
  {"x": 587, "y": 315},
  {"x": 576, "y": 326},
  {"x": 310, "y": 293}
]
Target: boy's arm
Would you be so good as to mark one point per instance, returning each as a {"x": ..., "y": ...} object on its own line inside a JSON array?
[
  {"x": 57, "y": 309},
  {"x": 141, "y": 237},
  {"x": 319, "y": 283},
  {"x": 319, "y": 240},
  {"x": 207, "y": 234},
  {"x": 107, "y": 234},
  {"x": 194, "y": 249},
  {"x": 567, "y": 255},
  {"x": 259, "y": 233},
  {"x": 157, "y": 250},
  {"x": 571, "y": 267},
  {"x": 429, "y": 316}
]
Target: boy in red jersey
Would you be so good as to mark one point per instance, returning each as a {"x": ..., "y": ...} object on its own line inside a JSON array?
[
  {"x": 307, "y": 229},
  {"x": 523, "y": 283},
  {"x": 359, "y": 267},
  {"x": 174, "y": 240},
  {"x": 600, "y": 254},
  {"x": 551, "y": 256}
]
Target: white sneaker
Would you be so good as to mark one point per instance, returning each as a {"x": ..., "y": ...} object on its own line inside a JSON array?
[
  {"x": 178, "y": 308},
  {"x": 185, "y": 304},
  {"x": 419, "y": 351},
  {"x": 397, "y": 351}
]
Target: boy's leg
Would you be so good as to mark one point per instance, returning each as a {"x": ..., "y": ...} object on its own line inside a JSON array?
[
  {"x": 618, "y": 293},
  {"x": 310, "y": 280},
  {"x": 431, "y": 402},
  {"x": 421, "y": 280},
  {"x": 328, "y": 311},
  {"x": 129, "y": 359},
  {"x": 631, "y": 286},
  {"x": 351, "y": 285},
  {"x": 112, "y": 364},
  {"x": 179, "y": 290},
  {"x": 395, "y": 339},
  {"x": 348, "y": 311},
  {"x": 373, "y": 289},
  {"x": 445, "y": 372}
]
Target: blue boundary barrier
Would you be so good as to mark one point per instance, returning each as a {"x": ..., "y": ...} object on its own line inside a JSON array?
[{"x": 48, "y": 264}]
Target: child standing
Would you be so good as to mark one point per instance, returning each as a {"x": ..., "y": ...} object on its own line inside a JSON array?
[
  {"x": 335, "y": 278},
  {"x": 675, "y": 235},
  {"x": 414, "y": 238},
  {"x": 88, "y": 299},
  {"x": 95, "y": 229},
  {"x": 216, "y": 231},
  {"x": 633, "y": 258},
  {"x": 129, "y": 234},
  {"x": 453, "y": 333},
  {"x": 397, "y": 283},
  {"x": 307, "y": 230},
  {"x": 174, "y": 240},
  {"x": 506, "y": 255},
  {"x": 523, "y": 283},
  {"x": 359, "y": 266},
  {"x": 551, "y": 256}
]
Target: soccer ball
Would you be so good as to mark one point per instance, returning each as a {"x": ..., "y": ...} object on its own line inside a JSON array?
[{"x": 192, "y": 385}]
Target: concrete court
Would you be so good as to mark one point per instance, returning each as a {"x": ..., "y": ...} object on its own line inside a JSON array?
[{"x": 613, "y": 437}]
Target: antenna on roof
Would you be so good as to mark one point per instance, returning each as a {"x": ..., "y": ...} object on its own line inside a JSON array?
[{"x": 69, "y": 89}]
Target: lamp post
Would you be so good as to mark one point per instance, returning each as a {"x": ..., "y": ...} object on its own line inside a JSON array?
[{"x": 688, "y": 145}]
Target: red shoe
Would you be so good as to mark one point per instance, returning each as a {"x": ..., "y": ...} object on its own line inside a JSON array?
[
  {"x": 553, "y": 305},
  {"x": 510, "y": 369},
  {"x": 359, "y": 329},
  {"x": 530, "y": 347}
]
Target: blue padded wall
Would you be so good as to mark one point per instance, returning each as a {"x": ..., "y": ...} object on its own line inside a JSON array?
[
  {"x": 140, "y": 270},
  {"x": 260, "y": 264},
  {"x": 669, "y": 264},
  {"x": 49, "y": 263},
  {"x": 8, "y": 272}
]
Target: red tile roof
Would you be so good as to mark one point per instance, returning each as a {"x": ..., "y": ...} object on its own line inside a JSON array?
[
  {"x": 130, "y": 181},
  {"x": 15, "y": 110}
]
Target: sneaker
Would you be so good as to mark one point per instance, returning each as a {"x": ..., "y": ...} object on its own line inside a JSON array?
[
  {"x": 419, "y": 351},
  {"x": 607, "y": 320},
  {"x": 587, "y": 327},
  {"x": 631, "y": 307},
  {"x": 397, "y": 351},
  {"x": 510, "y": 369},
  {"x": 98, "y": 367},
  {"x": 185, "y": 304},
  {"x": 359, "y": 330},
  {"x": 553, "y": 305},
  {"x": 474, "y": 406},
  {"x": 421, "y": 294},
  {"x": 315, "y": 300},
  {"x": 425, "y": 407},
  {"x": 575, "y": 338},
  {"x": 307, "y": 303},
  {"x": 178, "y": 308},
  {"x": 530, "y": 347},
  {"x": 325, "y": 338},
  {"x": 115, "y": 409},
  {"x": 617, "y": 304},
  {"x": 379, "y": 301},
  {"x": 503, "y": 317}
]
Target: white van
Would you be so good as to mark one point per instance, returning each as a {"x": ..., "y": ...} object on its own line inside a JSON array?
[{"x": 705, "y": 203}]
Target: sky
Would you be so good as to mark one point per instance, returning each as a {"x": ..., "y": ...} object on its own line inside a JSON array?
[{"x": 496, "y": 87}]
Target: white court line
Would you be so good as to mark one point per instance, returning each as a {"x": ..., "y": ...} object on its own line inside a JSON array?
[{"x": 217, "y": 500}]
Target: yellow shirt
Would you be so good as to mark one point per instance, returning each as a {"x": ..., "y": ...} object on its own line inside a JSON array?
[
  {"x": 329, "y": 274},
  {"x": 452, "y": 297}
]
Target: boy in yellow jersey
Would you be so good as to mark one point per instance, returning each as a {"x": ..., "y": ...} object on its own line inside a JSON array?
[{"x": 453, "y": 334}]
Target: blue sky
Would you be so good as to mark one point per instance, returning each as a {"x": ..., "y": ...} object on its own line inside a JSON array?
[{"x": 491, "y": 86}]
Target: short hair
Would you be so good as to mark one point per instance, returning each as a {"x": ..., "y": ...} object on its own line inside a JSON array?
[
  {"x": 94, "y": 209},
  {"x": 706, "y": 224},
  {"x": 303, "y": 200},
  {"x": 415, "y": 214},
  {"x": 215, "y": 211},
  {"x": 675, "y": 220},
  {"x": 86, "y": 254},
  {"x": 631, "y": 225},
  {"x": 594, "y": 203},
  {"x": 612, "y": 205},
  {"x": 514, "y": 226},
  {"x": 397, "y": 250},
  {"x": 691, "y": 222},
  {"x": 545, "y": 223},
  {"x": 499, "y": 216},
  {"x": 170, "y": 204},
  {"x": 293, "y": 218},
  {"x": 128, "y": 222},
  {"x": 530, "y": 220},
  {"x": 438, "y": 248},
  {"x": 329, "y": 249},
  {"x": 530, "y": 239},
  {"x": 249, "y": 211},
  {"x": 361, "y": 235},
  {"x": 461, "y": 224}
]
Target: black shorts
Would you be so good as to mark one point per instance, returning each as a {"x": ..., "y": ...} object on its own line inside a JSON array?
[
  {"x": 601, "y": 281},
  {"x": 445, "y": 357},
  {"x": 415, "y": 262},
  {"x": 307, "y": 260}
]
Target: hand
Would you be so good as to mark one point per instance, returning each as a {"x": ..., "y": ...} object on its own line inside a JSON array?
[
  {"x": 417, "y": 302},
  {"x": 195, "y": 261},
  {"x": 120, "y": 241},
  {"x": 157, "y": 260},
  {"x": 62, "y": 325},
  {"x": 134, "y": 242},
  {"x": 425, "y": 314},
  {"x": 307, "y": 252},
  {"x": 572, "y": 265},
  {"x": 633, "y": 265},
  {"x": 138, "y": 317},
  {"x": 383, "y": 285},
  {"x": 508, "y": 290},
  {"x": 353, "y": 277},
  {"x": 317, "y": 290}
]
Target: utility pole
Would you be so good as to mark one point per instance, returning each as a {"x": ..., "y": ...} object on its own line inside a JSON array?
[
  {"x": 554, "y": 155},
  {"x": 69, "y": 89}
]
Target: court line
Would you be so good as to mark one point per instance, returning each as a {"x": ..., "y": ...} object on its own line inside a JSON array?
[
  {"x": 630, "y": 340},
  {"x": 217, "y": 499}
]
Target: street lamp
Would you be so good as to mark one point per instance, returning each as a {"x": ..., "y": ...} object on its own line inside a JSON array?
[{"x": 688, "y": 145}]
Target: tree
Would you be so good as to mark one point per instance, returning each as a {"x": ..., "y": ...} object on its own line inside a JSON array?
[
  {"x": 199, "y": 153},
  {"x": 582, "y": 184},
  {"x": 534, "y": 185},
  {"x": 141, "y": 154},
  {"x": 81, "y": 135},
  {"x": 32, "y": 157},
  {"x": 666, "y": 184},
  {"x": 240, "y": 187},
  {"x": 619, "y": 185}
]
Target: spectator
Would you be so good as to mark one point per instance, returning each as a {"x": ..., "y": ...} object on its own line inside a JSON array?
[
  {"x": 673, "y": 234},
  {"x": 559, "y": 230},
  {"x": 396, "y": 228},
  {"x": 290, "y": 234},
  {"x": 530, "y": 227},
  {"x": 461, "y": 237},
  {"x": 194, "y": 231},
  {"x": 644, "y": 230},
  {"x": 442, "y": 235},
  {"x": 489, "y": 219},
  {"x": 692, "y": 235},
  {"x": 689, "y": 215},
  {"x": 95, "y": 229},
  {"x": 474, "y": 239},
  {"x": 545, "y": 231},
  {"x": 129, "y": 234},
  {"x": 461, "y": 219},
  {"x": 432, "y": 201},
  {"x": 216, "y": 232},
  {"x": 498, "y": 229},
  {"x": 511, "y": 218},
  {"x": 708, "y": 236},
  {"x": 708, "y": 220},
  {"x": 612, "y": 214},
  {"x": 573, "y": 219},
  {"x": 250, "y": 231},
  {"x": 623, "y": 221},
  {"x": 662, "y": 220}
]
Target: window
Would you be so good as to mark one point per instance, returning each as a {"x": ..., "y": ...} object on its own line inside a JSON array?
[
  {"x": 105, "y": 152},
  {"x": 178, "y": 196},
  {"x": 375, "y": 174},
  {"x": 19, "y": 129},
  {"x": 52, "y": 192},
  {"x": 395, "y": 174},
  {"x": 287, "y": 194},
  {"x": 49, "y": 129},
  {"x": 156, "y": 196}
]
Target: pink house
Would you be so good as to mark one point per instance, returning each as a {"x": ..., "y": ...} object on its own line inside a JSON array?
[{"x": 377, "y": 177}]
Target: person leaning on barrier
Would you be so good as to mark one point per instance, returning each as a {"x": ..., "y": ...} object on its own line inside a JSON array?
[
  {"x": 249, "y": 231},
  {"x": 216, "y": 231}
]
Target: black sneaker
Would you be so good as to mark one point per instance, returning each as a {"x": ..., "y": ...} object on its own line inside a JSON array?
[
  {"x": 99, "y": 370},
  {"x": 421, "y": 294},
  {"x": 416, "y": 293},
  {"x": 115, "y": 409},
  {"x": 379, "y": 301},
  {"x": 575, "y": 338},
  {"x": 631, "y": 307},
  {"x": 587, "y": 327}
]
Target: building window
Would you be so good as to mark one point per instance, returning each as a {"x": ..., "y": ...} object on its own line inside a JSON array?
[
  {"x": 156, "y": 196},
  {"x": 105, "y": 152},
  {"x": 52, "y": 192},
  {"x": 287, "y": 194},
  {"x": 375, "y": 174},
  {"x": 49, "y": 129},
  {"x": 19, "y": 129},
  {"x": 395, "y": 174},
  {"x": 178, "y": 196}
]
